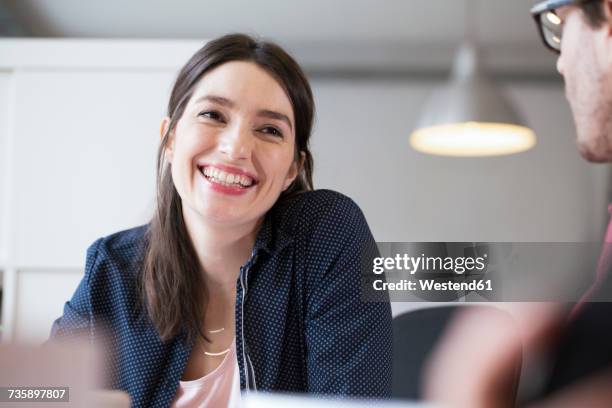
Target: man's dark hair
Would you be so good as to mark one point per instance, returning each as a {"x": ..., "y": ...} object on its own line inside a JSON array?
[{"x": 593, "y": 10}]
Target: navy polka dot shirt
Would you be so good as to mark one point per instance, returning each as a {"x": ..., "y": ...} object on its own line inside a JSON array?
[{"x": 301, "y": 325}]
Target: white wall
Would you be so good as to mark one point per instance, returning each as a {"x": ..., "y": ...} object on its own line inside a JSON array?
[
  {"x": 82, "y": 133},
  {"x": 546, "y": 194}
]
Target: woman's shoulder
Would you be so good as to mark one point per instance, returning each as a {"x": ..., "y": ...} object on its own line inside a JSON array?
[
  {"x": 121, "y": 245},
  {"x": 324, "y": 211},
  {"x": 313, "y": 204},
  {"x": 116, "y": 254}
]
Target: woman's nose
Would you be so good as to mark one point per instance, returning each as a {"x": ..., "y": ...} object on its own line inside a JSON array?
[{"x": 236, "y": 143}]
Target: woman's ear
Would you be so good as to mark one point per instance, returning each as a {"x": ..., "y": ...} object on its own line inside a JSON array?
[
  {"x": 165, "y": 124},
  {"x": 294, "y": 170}
]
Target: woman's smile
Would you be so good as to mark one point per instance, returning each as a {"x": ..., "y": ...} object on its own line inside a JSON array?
[{"x": 226, "y": 179}]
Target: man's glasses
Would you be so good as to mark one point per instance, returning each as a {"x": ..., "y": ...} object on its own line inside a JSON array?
[{"x": 550, "y": 25}]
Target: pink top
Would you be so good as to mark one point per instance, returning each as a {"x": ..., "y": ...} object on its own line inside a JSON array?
[{"x": 219, "y": 388}]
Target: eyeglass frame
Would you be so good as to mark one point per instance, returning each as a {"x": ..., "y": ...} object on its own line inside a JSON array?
[{"x": 545, "y": 6}]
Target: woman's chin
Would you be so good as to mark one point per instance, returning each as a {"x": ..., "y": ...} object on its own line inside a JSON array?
[{"x": 220, "y": 216}]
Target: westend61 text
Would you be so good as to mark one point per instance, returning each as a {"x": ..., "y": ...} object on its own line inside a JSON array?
[{"x": 431, "y": 284}]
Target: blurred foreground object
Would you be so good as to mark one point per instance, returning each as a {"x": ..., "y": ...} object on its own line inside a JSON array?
[
  {"x": 108, "y": 399},
  {"x": 269, "y": 400},
  {"x": 477, "y": 362},
  {"x": 74, "y": 365},
  {"x": 416, "y": 335}
]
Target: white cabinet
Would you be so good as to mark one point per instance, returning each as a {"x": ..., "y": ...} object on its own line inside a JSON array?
[
  {"x": 5, "y": 176},
  {"x": 39, "y": 299},
  {"x": 84, "y": 158}
]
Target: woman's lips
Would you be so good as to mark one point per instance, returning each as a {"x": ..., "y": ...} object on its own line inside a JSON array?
[
  {"x": 226, "y": 182},
  {"x": 227, "y": 173}
]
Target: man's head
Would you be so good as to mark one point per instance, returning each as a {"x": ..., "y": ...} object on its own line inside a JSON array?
[{"x": 581, "y": 31}]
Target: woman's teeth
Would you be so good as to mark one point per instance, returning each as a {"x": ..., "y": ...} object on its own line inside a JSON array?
[{"x": 228, "y": 179}]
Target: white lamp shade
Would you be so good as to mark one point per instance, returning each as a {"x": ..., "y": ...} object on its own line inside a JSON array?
[{"x": 470, "y": 117}]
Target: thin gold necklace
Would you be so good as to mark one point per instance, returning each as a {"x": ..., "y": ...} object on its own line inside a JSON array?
[
  {"x": 216, "y": 330},
  {"x": 220, "y": 353}
]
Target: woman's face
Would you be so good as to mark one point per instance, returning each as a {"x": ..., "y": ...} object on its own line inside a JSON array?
[{"x": 232, "y": 150}]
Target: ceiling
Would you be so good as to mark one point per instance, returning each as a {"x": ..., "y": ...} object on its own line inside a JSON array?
[{"x": 388, "y": 33}]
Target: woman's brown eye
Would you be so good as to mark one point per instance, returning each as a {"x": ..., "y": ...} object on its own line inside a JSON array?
[
  {"x": 272, "y": 131},
  {"x": 211, "y": 115}
]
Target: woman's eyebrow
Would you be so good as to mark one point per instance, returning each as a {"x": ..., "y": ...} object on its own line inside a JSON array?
[
  {"x": 217, "y": 99},
  {"x": 230, "y": 104},
  {"x": 275, "y": 115}
]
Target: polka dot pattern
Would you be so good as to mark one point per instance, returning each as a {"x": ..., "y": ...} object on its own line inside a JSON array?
[{"x": 300, "y": 323}]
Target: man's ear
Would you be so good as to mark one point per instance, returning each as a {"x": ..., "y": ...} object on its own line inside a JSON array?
[
  {"x": 602, "y": 39},
  {"x": 607, "y": 13},
  {"x": 165, "y": 124},
  {"x": 294, "y": 170}
]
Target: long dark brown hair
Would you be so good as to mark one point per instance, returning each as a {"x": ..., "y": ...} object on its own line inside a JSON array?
[{"x": 171, "y": 287}]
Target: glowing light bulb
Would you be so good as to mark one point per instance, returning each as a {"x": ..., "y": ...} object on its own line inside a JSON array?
[{"x": 473, "y": 139}]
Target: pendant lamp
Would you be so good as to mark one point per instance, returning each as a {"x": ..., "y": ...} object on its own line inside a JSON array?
[{"x": 469, "y": 116}]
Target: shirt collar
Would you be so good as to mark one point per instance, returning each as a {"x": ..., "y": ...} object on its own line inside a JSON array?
[{"x": 272, "y": 237}]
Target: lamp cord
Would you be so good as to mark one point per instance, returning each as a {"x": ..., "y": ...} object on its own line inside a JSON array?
[{"x": 470, "y": 21}]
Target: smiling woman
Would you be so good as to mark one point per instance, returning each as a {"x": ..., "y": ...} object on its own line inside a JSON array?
[{"x": 245, "y": 278}]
